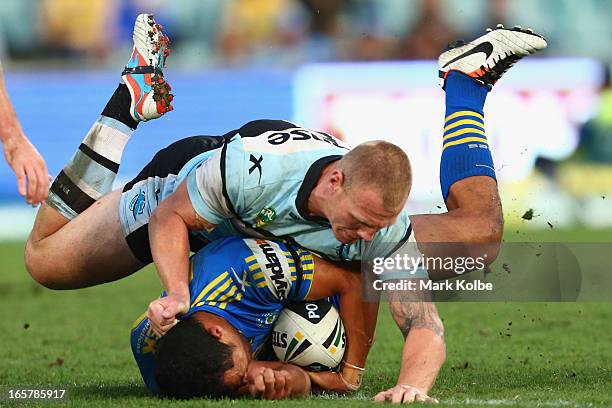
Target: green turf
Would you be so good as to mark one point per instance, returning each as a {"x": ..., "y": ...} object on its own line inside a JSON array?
[
  {"x": 520, "y": 234},
  {"x": 519, "y": 354}
]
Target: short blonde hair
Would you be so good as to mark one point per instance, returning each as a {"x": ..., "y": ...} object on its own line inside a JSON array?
[{"x": 382, "y": 165}]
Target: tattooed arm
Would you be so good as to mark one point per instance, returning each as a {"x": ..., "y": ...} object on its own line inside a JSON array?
[{"x": 424, "y": 349}]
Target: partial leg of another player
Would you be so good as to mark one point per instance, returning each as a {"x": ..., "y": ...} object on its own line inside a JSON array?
[
  {"x": 474, "y": 221},
  {"x": 77, "y": 238},
  {"x": 473, "y": 224}
]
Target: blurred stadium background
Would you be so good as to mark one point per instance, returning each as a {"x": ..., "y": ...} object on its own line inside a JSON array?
[{"x": 361, "y": 69}]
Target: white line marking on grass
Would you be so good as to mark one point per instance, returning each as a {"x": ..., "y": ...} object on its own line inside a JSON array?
[
  {"x": 498, "y": 402},
  {"x": 470, "y": 401}
]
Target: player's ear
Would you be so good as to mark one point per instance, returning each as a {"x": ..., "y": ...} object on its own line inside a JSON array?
[
  {"x": 336, "y": 180},
  {"x": 215, "y": 330}
]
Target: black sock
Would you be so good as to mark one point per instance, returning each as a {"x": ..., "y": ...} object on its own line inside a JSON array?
[{"x": 118, "y": 107}]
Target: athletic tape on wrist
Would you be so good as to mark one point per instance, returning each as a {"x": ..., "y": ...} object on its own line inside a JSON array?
[{"x": 352, "y": 366}]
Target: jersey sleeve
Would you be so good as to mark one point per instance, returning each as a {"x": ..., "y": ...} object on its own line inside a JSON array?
[
  {"x": 143, "y": 343},
  {"x": 205, "y": 186},
  {"x": 217, "y": 187},
  {"x": 302, "y": 276}
]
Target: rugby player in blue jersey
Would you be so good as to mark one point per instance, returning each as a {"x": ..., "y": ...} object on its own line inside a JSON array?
[
  {"x": 272, "y": 178},
  {"x": 238, "y": 287}
]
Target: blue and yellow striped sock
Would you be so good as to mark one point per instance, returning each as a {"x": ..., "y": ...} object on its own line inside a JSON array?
[{"x": 465, "y": 151}]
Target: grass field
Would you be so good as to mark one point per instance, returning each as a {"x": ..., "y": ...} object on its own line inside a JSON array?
[{"x": 512, "y": 354}]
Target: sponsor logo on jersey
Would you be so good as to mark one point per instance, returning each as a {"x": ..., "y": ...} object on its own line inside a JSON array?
[
  {"x": 299, "y": 134},
  {"x": 147, "y": 340},
  {"x": 265, "y": 217},
  {"x": 256, "y": 165},
  {"x": 137, "y": 204},
  {"x": 295, "y": 140},
  {"x": 274, "y": 266},
  {"x": 267, "y": 319},
  {"x": 273, "y": 262}
]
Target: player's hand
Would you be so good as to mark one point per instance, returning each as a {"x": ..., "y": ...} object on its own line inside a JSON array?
[
  {"x": 162, "y": 312},
  {"x": 29, "y": 167},
  {"x": 266, "y": 383},
  {"x": 403, "y": 393}
]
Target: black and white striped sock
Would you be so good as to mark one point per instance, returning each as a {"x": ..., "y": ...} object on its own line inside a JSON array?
[{"x": 92, "y": 170}]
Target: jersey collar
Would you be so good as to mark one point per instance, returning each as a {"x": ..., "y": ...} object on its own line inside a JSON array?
[{"x": 310, "y": 181}]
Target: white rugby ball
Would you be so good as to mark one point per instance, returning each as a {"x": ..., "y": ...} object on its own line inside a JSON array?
[{"x": 310, "y": 334}]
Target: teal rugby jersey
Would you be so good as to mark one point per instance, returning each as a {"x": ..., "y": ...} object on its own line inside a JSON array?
[
  {"x": 258, "y": 185},
  {"x": 245, "y": 281}
]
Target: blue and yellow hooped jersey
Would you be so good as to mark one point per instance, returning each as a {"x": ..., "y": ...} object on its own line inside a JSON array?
[{"x": 246, "y": 281}]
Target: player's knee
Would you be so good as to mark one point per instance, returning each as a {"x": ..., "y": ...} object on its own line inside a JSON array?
[
  {"x": 38, "y": 267},
  {"x": 36, "y": 270}
]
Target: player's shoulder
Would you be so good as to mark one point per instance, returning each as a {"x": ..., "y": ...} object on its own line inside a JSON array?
[
  {"x": 268, "y": 152},
  {"x": 220, "y": 254},
  {"x": 257, "y": 127}
]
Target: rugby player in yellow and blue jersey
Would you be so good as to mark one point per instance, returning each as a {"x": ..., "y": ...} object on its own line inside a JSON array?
[{"x": 238, "y": 288}]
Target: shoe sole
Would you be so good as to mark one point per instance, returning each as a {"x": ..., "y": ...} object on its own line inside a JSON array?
[
  {"x": 146, "y": 27},
  {"x": 523, "y": 50}
]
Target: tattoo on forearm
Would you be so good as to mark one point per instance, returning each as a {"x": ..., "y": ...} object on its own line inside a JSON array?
[{"x": 411, "y": 313}]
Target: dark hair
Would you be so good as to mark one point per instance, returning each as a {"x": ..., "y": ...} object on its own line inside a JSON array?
[{"x": 190, "y": 363}]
